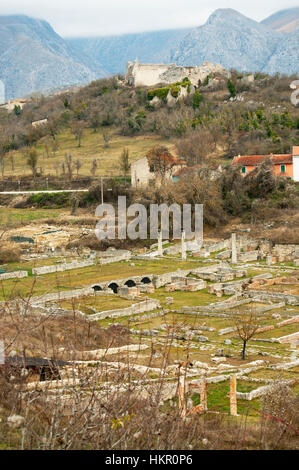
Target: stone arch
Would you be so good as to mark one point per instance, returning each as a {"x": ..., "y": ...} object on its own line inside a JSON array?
[
  {"x": 146, "y": 280},
  {"x": 97, "y": 288},
  {"x": 113, "y": 286},
  {"x": 130, "y": 283}
]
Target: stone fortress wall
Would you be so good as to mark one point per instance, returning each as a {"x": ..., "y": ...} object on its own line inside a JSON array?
[{"x": 152, "y": 74}]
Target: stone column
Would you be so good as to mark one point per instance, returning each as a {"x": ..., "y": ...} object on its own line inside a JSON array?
[
  {"x": 160, "y": 244},
  {"x": 269, "y": 260},
  {"x": 233, "y": 395},
  {"x": 184, "y": 253},
  {"x": 234, "y": 248},
  {"x": 203, "y": 394}
]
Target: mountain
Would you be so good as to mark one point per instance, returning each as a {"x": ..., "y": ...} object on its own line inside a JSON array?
[
  {"x": 284, "y": 20},
  {"x": 230, "y": 38},
  {"x": 286, "y": 57},
  {"x": 33, "y": 57},
  {"x": 113, "y": 52}
]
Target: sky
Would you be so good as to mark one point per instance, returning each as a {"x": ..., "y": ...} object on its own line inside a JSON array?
[{"x": 75, "y": 18}]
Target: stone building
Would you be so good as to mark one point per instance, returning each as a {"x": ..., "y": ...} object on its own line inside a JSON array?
[
  {"x": 41, "y": 122},
  {"x": 283, "y": 165},
  {"x": 153, "y": 74},
  {"x": 142, "y": 173},
  {"x": 10, "y": 105}
]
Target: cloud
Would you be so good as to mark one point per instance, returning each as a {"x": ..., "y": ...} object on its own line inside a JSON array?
[{"x": 102, "y": 17}]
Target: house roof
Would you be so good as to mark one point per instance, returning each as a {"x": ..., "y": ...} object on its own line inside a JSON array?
[
  {"x": 277, "y": 159},
  {"x": 172, "y": 160},
  {"x": 254, "y": 160},
  {"x": 186, "y": 169}
]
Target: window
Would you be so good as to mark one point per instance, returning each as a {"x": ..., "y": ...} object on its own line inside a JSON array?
[
  {"x": 282, "y": 168},
  {"x": 243, "y": 169}
]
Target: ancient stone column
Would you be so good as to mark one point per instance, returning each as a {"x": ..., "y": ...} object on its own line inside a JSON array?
[
  {"x": 203, "y": 394},
  {"x": 269, "y": 260},
  {"x": 184, "y": 253},
  {"x": 234, "y": 248},
  {"x": 233, "y": 395},
  {"x": 160, "y": 244}
]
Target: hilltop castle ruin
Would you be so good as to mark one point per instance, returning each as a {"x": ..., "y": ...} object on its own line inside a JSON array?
[{"x": 152, "y": 74}]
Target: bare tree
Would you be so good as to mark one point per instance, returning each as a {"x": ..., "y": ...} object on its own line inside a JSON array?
[
  {"x": 160, "y": 160},
  {"x": 77, "y": 128},
  {"x": 56, "y": 168},
  {"x": 94, "y": 167},
  {"x": 12, "y": 162},
  {"x": 2, "y": 165},
  {"x": 69, "y": 166},
  {"x": 107, "y": 138},
  {"x": 32, "y": 159},
  {"x": 74, "y": 203},
  {"x": 55, "y": 147},
  {"x": 95, "y": 120},
  {"x": 46, "y": 145},
  {"x": 196, "y": 147},
  {"x": 78, "y": 165},
  {"x": 246, "y": 326},
  {"x": 53, "y": 126}
]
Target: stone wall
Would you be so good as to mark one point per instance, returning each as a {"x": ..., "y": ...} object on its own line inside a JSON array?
[
  {"x": 289, "y": 299},
  {"x": 285, "y": 252},
  {"x": 115, "y": 259},
  {"x": 292, "y": 339},
  {"x": 13, "y": 275},
  {"x": 222, "y": 245},
  {"x": 249, "y": 256},
  {"x": 153, "y": 74},
  {"x": 163, "y": 279},
  {"x": 145, "y": 306},
  {"x": 62, "y": 267},
  {"x": 70, "y": 294}
]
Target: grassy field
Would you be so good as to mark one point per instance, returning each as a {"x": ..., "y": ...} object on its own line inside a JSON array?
[
  {"x": 85, "y": 276},
  {"x": 94, "y": 304},
  {"x": 92, "y": 147},
  {"x": 10, "y": 216},
  {"x": 180, "y": 299},
  {"x": 218, "y": 400},
  {"x": 34, "y": 263}
]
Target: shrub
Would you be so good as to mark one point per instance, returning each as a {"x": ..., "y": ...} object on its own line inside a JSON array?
[
  {"x": 161, "y": 93},
  {"x": 46, "y": 200},
  {"x": 197, "y": 99},
  {"x": 9, "y": 253},
  {"x": 231, "y": 88}
]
